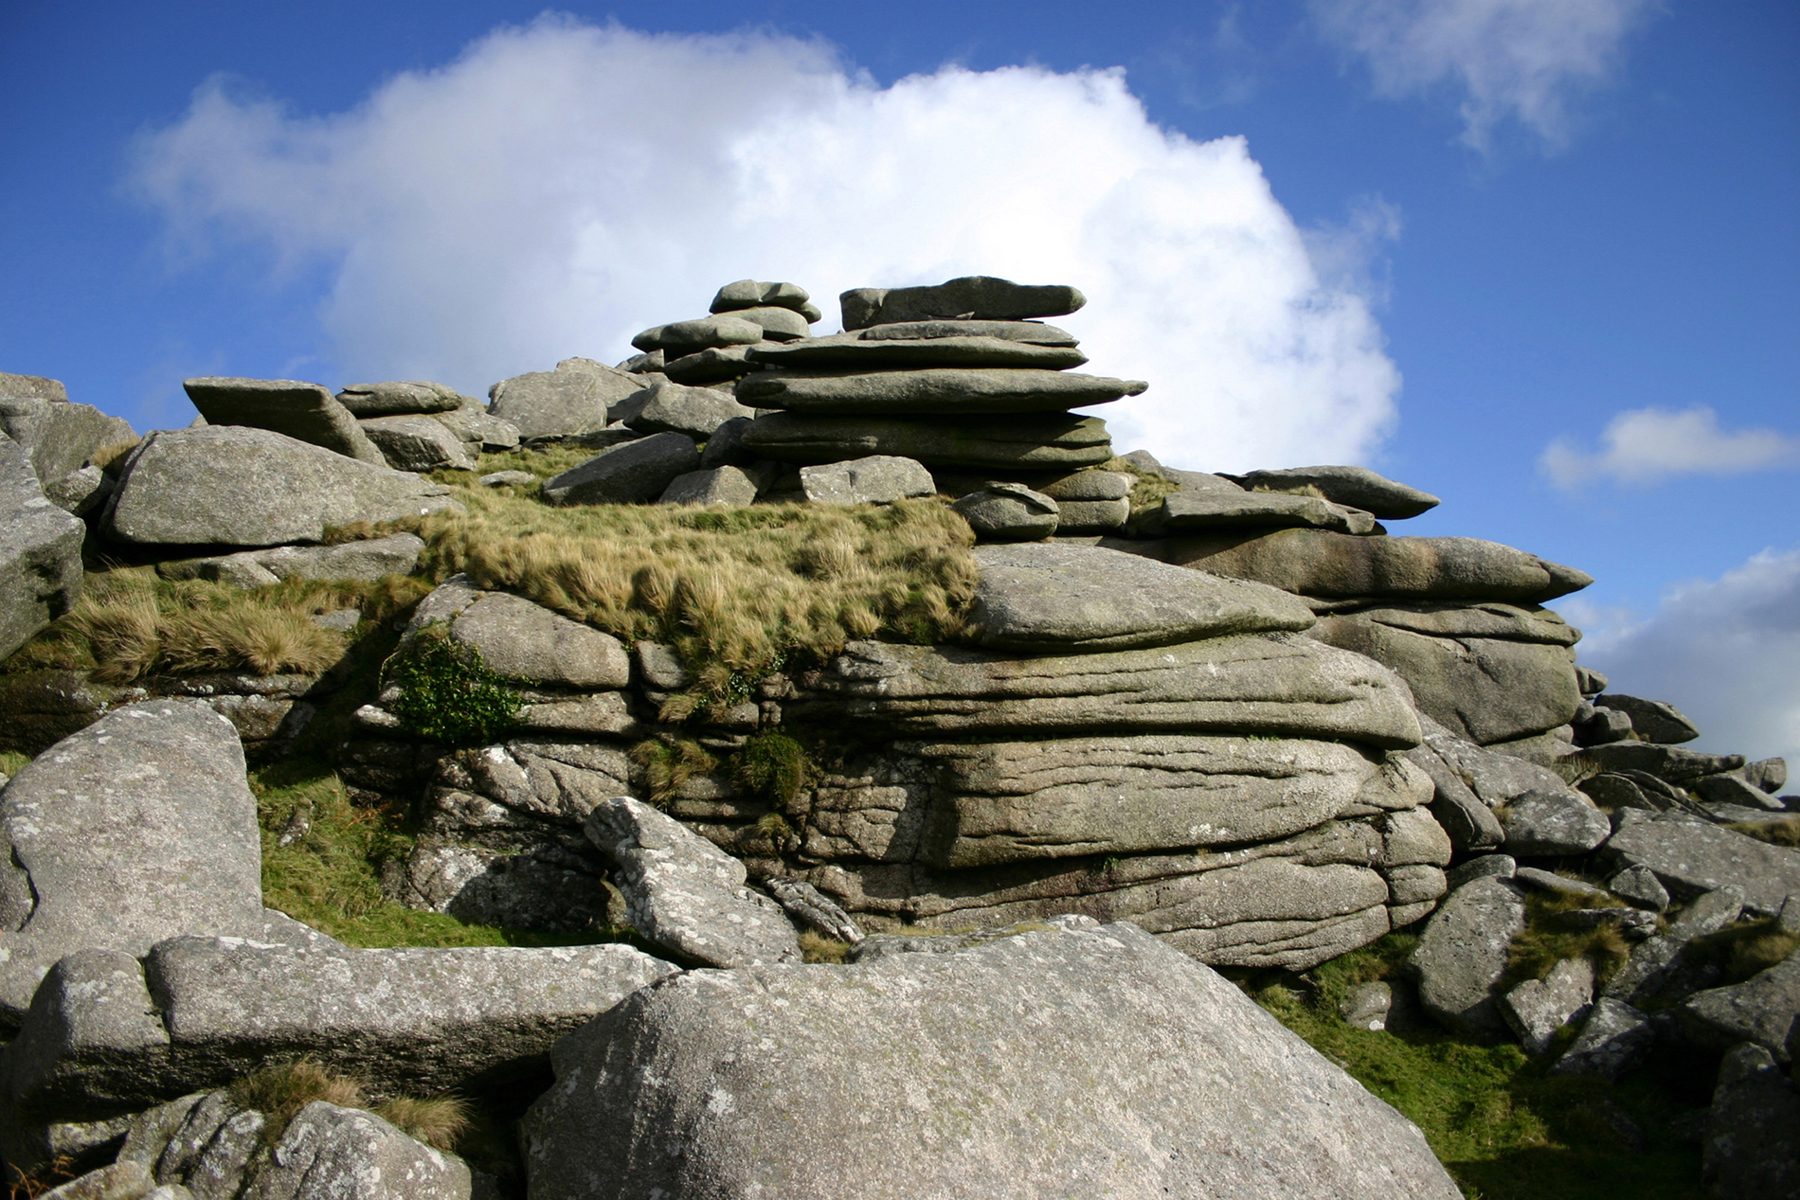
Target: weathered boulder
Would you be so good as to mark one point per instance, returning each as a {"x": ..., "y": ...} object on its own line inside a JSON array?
[
  {"x": 695, "y": 411},
  {"x": 1537, "y": 1008},
  {"x": 1186, "y": 511},
  {"x": 102, "y": 845},
  {"x": 370, "y": 559},
  {"x": 1691, "y": 856},
  {"x": 971, "y": 297},
  {"x": 477, "y": 429},
  {"x": 683, "y": 893},
  {"x": 1614, "y": 1039},
  {"x": 306, "y": 412},
  {"x": 635, "y": 472},
  {"x": 1640, "y": 886},
  {"x": 398, "y": 397},
  {"x": 1488, "y": 672},
  {"x": 731, "y": 486},
  {"x": 1051, "y": 597},
  {"x": 1035, "y": 332},
  {"x": 31, "y": 387},
  {"x": 40, "y": 553},
  {"x": 1357, "y": 487},
  {"x": 788, "y": 1079},
  {"x": 541, "y": 888},
  {"x": 1554, "y": 823},
  {"x": 1656, "y": 720},
  {"x": 951, "y": 391},
  {"x": 857, "y": 351},
  {"x": 564, "y": 402},
  {"x": 522, "y": 640},
  {"x": 239, "y": 486},
  {"x": 417, "y": 443},
  {"x": 1708, "y": 913},
  {"x": 1672, "y": 764},
  {"x": 1279, "y": 684},
  {"x": 1470, "y": 824},
  {"x": 1008, "y": 512},
  {"x": 1729, "y": 789},
  {"x": 877, "y": 479},
  {"x": 1752, "y": 1139},
  {"x": 777, "y": 322},
  {"x": 753, "y": 293},
  {"x": 1496, "y": 779},
  {"x": 1463, "y": 954},
  {"x": 1027, "y": 441},
  {"x": 59, "y": 437},
  {"x": 1763, "y": 1009},
  {"x": 685, "y": 337},
  {"x": 1316, "y": 562}
]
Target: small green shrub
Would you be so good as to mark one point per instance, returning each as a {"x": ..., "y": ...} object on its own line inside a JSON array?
[
  {"x": 774, "y": 767},
  {"x": 669, "y": 764},
  {"x": 448, "y": 694}
]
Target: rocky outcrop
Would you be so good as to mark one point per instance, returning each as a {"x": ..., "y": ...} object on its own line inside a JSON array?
[
  {"x": 306, "y": 412},
  {"x": 40, "y": 553}
]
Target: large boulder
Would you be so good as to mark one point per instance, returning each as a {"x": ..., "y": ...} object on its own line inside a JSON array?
[
  {"x": 1028, "y": 441},
  {"x": 398, "y": 397},
  {"x": 635, "y": 472},
  {"x": 140, "y": 827},
  {"x": 1070, "y": 1053},
  {"x": 971, "y": 297},
  {"x": 1357, "y": 487},
  {"x": 878, "y": 479},
  {"x": 683, "y": 893},
  {"x": 31, "y": 387},
  {"x": 306, "y": 412},
  {"x": 522, "y": 640},
  {"x": 950, "y": 391},
  {"x": 58, "y": 436},
  {"x": 672, "y": 408},
  {"x": 1008, "y": 512},
  {"x": 40, "y": 553},
  {"x": 1187, "y": 511},
  {"x": 239, "y": 486},
  {"x": 1763, "y": 1009},
  {"x": 1060, "y": 597},
  {"x": 417, "y": 443},
  {"x": 1463, "y": 952},
  {"x": 1691, "y": 856},
  {"x": 740, "y": 294},
  {"x": 1315, "y": 562},
  {"x": 1752, "y": 1144},
  {"x": 1275, "y": 684},
  {"x": 858, "y": 351},
  {"x": 1656, "y": 720},
  {"x": 564, "y": 402}
]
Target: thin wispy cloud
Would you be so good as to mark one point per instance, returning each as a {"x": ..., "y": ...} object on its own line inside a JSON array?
[
  {"x": 1527, "y": 60},
  {"x": 561, "y": 186},
  {"x": 1643, "y": 446},
  {"x": 1725, "y": 651}
]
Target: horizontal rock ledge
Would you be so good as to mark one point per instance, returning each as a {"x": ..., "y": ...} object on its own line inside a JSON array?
[{"x": 948, "y": 391}]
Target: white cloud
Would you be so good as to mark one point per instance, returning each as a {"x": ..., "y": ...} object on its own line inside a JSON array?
[
  {"x": 1649, "y": 445},
  {"x": 561, "y": 186},
  {"x": 1520, "y": 58},
  {"x": 1725, "y": 652}
]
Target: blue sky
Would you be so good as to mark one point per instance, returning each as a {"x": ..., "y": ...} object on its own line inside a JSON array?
[{"x": 1537, "y": 256}]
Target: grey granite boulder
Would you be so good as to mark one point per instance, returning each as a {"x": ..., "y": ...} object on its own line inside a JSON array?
[
  {"x": 398, "y": 397},
  {"x": 730, "y": 486},
  {"x": 1656, "y": 720},
  {"x": 1537, "y": 1008},
  {"x": 1009, "y": 512},
  {"x": 417, "y": 443},
  {"x": 1188, "y": 511},
  {"x": 1035, "y": 333},
  {"x": 369, "y": 559},
  {"x": 857, "y": 351},
  {"x": 1640, "y": 886},
  {"x": 685, "y": 337},
  {"x": 31, "y": 387},
  {"x": 1691, "y": 856},
  {"x": 1553, "y": 823},
  {"x": 1026, "y": 442},
  {"x": 971, "y": 297},
  {"x": 1273, "y": 684},
  {"x": 877, "y": 479},
  {"x": 950, "y": 391},
  {"x": 59, "y": 437},
  {"x": 1672, "y": 764},
  {"x": 1496, "y": 779},
  {"x": 1752, "y": 1140},
  {"x": 237, "y": 486},
  {"x": 527, "y": 641},
  {"x": 1614, "y": 1040},
  {"x": 305, "y": 411},
  {"x": 1709, "y": 913},
  {"x": 683, "y": 893},
  {"x": 1734, "y": 790},
  {"x": 1357, "y": 487},
  {"x": 477, "y": 429},
  {"x": 777, "y": 322},
  {"x": 138, "y": 828},
  {"x": 40, "y": 553},
  {"x": 1317, "y": 562},
  {"x": 1470, "y": 823},
  {"x": 824, "y": 1081},
  {"x": 79, "y": 492},
  {"x": 562, "y": 403},
  {"x": 715, "y": 364},
  {"x": 752, "y": 293},
  {"x": 636, "y": 472},
  {"x": 1763, "y": 1009},
  {"x": 328, "y": 1152},
  {"x": 672, "y": 408},
  {"x": 1463, "y": 953},
  {"x": 1054, "y": 597}
]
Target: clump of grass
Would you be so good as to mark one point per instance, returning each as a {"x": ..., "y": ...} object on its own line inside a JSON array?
[
  {"x": 736, "y": 592},
  {"x": 669, "y": 764},
  {"x": 447, "y": 694},
  {"x": 1783, "y": 832},
  {"x": 109, "y": 455},
  {"x": 438, "y": 1121},
  {"x": 815, "y": 947},
  {"x": 774, "y": 767},
  {"x": 776, "y": 828},
  {"x": 280, "y": 1090},
  {"x": 12, "y": 761},
  {"x": 1745, "y": 948},
  {"x": 1148, "y": 489},
  {"x": 130, "y": 623},
  {"x": 1546, "y": 940}
]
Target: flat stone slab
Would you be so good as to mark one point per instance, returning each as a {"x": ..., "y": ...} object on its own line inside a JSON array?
[
  {"x": 305, "y": 411},
  {"x": 1316, "y": 562},
  {"x": 40, "y": 553},
  {"x": 1053, "y": 597},
  {"x": 1763, "y": 1009},
  {"x": 635, "y": 472},
  {"x": 1657, "y": 720},
  {"x": 1357, "y": 487},
  {"x": 1691, "y": 856},
  {"x": 926, "y": 391},
  {"x": 685, "y": 337},
  {"x": 1034, "y": 332},
  {"x": 564, "y": 402},
  {"x": 858, "y": 351},
  {"x": 369, "y": 559},
  {"x": 877, "y": 479},
  {"x": 1026, "y": 441},
  {"x": 1277, "y": 684},
  {"x": 398, "y": 397},
  {"x": 59, "y": 437},
  {"x": 1553, "y": 823},
  {"x": 826, "y": 1081},
  {"x": 417, "y": 443},
  {"x": 695, "y": 411},
  {"x": 971, "y": 297},
  {"x": 238, "y": 486},
  {"x": 140, "y": 827},
  {"x": 684, "y": 893}
]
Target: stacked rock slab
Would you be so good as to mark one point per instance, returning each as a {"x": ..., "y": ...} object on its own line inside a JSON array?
[
  {"x": 426, "y": 426},
  {"x": 959, "y": 377}
]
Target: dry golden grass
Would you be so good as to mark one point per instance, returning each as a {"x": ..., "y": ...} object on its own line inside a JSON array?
[
  {"x": 438, "y": 1121},
  {"x": 1148, "y": 490},
  {"x": 815, "y": 947},
  {"x": 737, "y": 592},
  {"x": 280, "y": 1090},
  {"x": 129, "y": 623},
  {"x": 1785, "y": 832},
  {"x": 109, "y": 454},
  {"x": 1546, "y": 941},
  {"x": 668, "y": 765}
]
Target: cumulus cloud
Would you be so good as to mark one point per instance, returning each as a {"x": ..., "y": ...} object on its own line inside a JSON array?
[
  {"x": 1650, "y": 445},
  {"x": 1726, "y": 652},
  {"x": 1524, "y": 59},
  {"x": 561, "y": 186}
]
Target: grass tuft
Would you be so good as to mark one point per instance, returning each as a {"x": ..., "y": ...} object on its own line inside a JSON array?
[
  {"x": 815, "y": 947},
  {"x": 438, "y": 1121},
  {"x": 1784, "y": 832},
  {"x": 280, "y": 1090},
  {"x": 773, "y": 767},
  {"x": 1546, "y": 941},
  {"x": 1745, "y": 948},
  {"x": 669, "y": 764}
]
